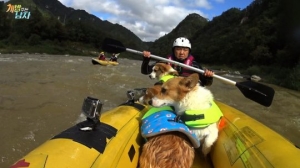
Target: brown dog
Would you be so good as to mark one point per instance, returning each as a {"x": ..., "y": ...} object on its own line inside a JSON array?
[
  {"x": 159, "y": 71},
  {"x": 162, "y": 69},
  {"x": 185, "y": 94},
  {"x": 168, "y": 150}
]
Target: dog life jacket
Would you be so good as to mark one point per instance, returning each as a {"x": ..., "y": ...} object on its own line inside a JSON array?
[
  {"x": 188, "y": 61},
  {"x": 157, "y": 109},
  {"x": 202, "y": 118},
  {"x": 164, "y": 79},
  {"x": 162, "y": 121}
]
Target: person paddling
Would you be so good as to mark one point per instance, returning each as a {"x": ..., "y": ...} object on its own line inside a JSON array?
[
  {"x": 114, "y": 58},
  {"x": 101, "y": 56},
  {"x": 181, "y": 52}
]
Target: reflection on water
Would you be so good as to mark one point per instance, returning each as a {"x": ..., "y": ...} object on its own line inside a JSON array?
[{"x": 41, "y": 95}]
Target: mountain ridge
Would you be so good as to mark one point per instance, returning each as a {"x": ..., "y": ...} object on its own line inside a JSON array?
[{"x": 67, "y": 13}]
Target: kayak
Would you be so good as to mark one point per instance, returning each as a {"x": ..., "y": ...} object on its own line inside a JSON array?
[
  {"x": 103, "y": 62},
  {"x": 116, "y": 142}
]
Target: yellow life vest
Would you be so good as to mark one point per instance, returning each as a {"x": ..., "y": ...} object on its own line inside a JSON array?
[
  {"x": 166, "y": 77},
  {"x": 211, "y": 115}
]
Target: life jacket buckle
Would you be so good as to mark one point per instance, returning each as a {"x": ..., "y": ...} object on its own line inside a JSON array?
[{"x": 176, "y": 119}]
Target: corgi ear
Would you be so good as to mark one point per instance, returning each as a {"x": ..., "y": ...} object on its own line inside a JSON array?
[
  {"x": 162, "y": 68},
  {"x": 190, "y": 81}
]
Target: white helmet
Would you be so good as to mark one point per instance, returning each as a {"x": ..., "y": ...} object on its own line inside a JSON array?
[{"x": 182, "y": 42}]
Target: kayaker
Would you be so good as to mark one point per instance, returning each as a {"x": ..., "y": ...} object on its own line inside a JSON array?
[
  {"x": 181, "y": 52},
  {"x": 114, "y": 58},
  {"x": 101, "y": 56}
]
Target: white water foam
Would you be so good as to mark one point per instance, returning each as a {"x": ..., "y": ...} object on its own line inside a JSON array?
[{"x": 6, "y": 60}]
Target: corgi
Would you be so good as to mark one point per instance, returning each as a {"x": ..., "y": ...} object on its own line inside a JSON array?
[
  {"x": 185, "y": 94},
  {"x": 160, "y": 70},
  {"x": 169, "y": 150}
]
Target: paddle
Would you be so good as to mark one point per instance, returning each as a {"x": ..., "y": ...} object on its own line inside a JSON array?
[{"x": 257, "y": 92}]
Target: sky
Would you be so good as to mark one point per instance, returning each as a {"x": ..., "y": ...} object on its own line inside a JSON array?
[{"x": 151, "y": 19}]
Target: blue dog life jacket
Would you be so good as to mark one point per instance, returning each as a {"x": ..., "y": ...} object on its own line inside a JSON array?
[{"x": 162, "y": 122}]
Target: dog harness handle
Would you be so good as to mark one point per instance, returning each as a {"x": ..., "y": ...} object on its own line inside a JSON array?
[
  {"x": 202, "y": 118},
  {"x": 163, "y": 122}
]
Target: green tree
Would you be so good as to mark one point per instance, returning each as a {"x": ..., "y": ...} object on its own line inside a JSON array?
[
  {"x": 261, "y": 56},
  {"x": 34, "y": 39},
  {"x": 4, "y": 23}
]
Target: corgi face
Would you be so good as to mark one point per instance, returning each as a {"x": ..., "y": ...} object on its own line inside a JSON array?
[
  {"x": 161, "y": 69},
  {"x": 174, "y": 90},
  {"x": 150, "y": 93},
  {"x": 183, "y": 93}
]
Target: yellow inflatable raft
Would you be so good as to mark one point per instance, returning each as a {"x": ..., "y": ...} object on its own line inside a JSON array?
[
  {"x": 116, "y": 143},
  {"x": 103, "y": 62}
]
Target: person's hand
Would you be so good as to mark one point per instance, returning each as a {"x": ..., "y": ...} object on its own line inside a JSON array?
[
  {"x": 208, "y": 73},
  {"x": 146, "y": 54}
]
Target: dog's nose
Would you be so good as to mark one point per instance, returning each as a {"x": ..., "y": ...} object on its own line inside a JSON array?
[
  {"x": 150, "y": 76},
  {"x": 150, "y": 102}
]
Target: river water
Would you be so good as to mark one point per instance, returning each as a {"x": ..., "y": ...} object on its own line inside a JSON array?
[{"x": 42, "y": 95}]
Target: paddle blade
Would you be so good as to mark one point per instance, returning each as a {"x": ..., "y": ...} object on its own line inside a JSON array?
[
  {"x": 257, "y": 92},
  {"x": 112, "y": 46}
]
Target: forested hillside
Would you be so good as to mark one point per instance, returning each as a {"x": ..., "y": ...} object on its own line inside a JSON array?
[
  {"x": 187, "y": 28},
  {"x": 261, "y": 39},
  {"x": 57, "y": 29}
]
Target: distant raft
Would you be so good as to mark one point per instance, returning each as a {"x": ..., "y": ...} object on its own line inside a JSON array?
[{"x": 96, "y": 61}]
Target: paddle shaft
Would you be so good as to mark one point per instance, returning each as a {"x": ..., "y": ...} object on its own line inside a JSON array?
[
  {"x": 252, "y": 90},
  {"x": 183, "y": 65}
]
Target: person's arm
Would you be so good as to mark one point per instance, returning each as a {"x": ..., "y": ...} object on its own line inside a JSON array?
[
  {"x": 146, "y": 69},
  {"x": 205, "y": 80}
]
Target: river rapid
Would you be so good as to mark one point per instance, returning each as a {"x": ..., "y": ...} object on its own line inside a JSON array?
[{"x": 41, "y": 95}]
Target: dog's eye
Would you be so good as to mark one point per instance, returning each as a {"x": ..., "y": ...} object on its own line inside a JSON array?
[{"x": 163, "y": 90}]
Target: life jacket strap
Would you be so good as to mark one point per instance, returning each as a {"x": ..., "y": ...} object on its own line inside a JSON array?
[
  {"x": 159, "y": 82},
  {"x": 186, "y": 117}
]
